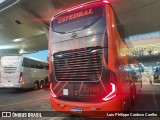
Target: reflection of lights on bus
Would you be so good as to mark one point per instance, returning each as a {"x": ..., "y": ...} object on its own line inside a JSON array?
[
  {"x": 89, "y": 31},
  {"x": 112, "y": 94},
  {"x": 52, "y": 93},
  {"x": 105, "y": 1}
]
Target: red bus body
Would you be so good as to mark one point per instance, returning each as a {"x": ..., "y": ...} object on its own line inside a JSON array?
[{"x": 89, "y": 74}]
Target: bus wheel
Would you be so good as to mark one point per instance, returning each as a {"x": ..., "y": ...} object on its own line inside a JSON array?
[
  {"x": 36, "y": 86},
  {"x": 41, "y": 84}
]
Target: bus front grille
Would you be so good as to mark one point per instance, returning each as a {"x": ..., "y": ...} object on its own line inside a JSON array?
[{"x": 79, "y": 65}]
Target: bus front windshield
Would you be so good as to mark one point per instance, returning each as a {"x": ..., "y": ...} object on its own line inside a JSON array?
[
  {"x": 77, "y": 19},
  {"x": 10, "y": 61}
]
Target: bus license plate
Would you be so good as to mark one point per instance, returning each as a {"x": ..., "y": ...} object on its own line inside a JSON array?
[{"x": 76, "y": 110}]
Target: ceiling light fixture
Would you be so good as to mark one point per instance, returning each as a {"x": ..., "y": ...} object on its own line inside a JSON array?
[
  {"x": 18, "y": 40},
  {"x": 21, "y": 51},
  {"x": 3, "y": 47}
]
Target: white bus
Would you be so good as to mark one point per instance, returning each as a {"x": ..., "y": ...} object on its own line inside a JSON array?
[{"x": 18, "y": 71}]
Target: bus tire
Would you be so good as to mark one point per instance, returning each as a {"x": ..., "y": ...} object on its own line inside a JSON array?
[
  {"x": 36, "y": 85},
  {"x": 41, "y": 84}
]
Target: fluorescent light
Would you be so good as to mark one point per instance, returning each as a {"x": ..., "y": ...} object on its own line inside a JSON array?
[
  {"x": 18, "y": 40},
  {"x": 7, "y": 47},
  {"x": 21, "y": 51}
]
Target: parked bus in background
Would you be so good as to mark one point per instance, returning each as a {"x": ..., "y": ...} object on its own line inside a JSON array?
[
  {"x": 18, "y": 71},
  {"x": 88, "y": 71}
]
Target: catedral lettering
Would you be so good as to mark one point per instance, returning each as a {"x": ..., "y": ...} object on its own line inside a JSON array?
[{"x": 75, "y": 15}]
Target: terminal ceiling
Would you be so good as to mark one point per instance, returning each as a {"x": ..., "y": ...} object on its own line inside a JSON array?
[{"x": 24, "y": 26}]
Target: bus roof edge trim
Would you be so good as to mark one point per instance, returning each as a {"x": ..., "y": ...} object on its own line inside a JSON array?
[{"x": 79, "y": 6}]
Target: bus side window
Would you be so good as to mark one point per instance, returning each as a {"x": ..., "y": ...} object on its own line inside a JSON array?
[
  {"x": 26, "y": 62},
  {"x": 37, "y": 65},
  {"x": 44, "y": 66},
  {"x": 40, "y": 65},
  {"x": 33, "y": 64}
]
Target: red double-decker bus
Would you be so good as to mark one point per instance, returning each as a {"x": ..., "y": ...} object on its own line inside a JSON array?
[{"x": 89, "y": 72}]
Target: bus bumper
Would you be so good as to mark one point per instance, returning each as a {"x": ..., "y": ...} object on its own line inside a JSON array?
[
  {"x": 94, "y": 110},
  {"x": 3, "y": 85}
]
